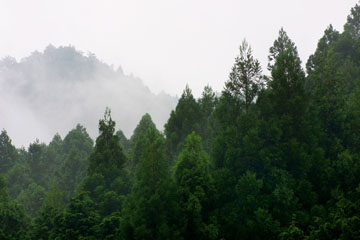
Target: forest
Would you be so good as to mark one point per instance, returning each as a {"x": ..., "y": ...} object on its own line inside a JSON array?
[{"x": 272, "y": 156}]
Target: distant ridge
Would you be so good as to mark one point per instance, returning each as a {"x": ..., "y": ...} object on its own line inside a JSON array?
[{"x": 60, "y": 87}]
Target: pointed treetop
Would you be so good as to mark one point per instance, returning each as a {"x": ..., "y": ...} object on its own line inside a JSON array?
[
  {"x": 245, "y": 79},
  {"x": 143, "y": 127},
  {"x": 8, "y": 152},
  {"x": 208, "y": 92},
  {"x": 187, "y": 93},
  {"x": 107, "y": 157},
  {"x": 208, "y": 100},
  {"x": 353, "y": 22},
  {"x": 107, "y": 125},
  {"x": 281, "y": 44}
]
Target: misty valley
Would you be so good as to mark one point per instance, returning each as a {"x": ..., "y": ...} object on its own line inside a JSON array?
[{"x": 271, "y": 156}]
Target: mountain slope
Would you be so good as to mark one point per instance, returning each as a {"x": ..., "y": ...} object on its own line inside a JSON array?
[{"x": 60, "y": 87}]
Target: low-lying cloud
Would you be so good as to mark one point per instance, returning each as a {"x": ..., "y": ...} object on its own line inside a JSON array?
[{"x": 52, "y": 91}]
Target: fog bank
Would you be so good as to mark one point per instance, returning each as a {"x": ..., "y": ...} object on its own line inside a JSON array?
[{"x": 50, "y": 92}]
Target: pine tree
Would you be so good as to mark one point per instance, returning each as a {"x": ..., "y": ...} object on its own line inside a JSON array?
[
  {"x": 8, "y": 153},
  {"x": 138, "y": 139},
  {"x": 207, "y": 103},
  {"x": 107, "y": 181},
  {"x": 287, "y": 78},
  {"x": 107, "y": 157},
  {"x": 194, "y": 187},
  {"x": 183, "y": 120},
  {"x": 352, "y": 24},
  {"x": 149, "y": 207},
  {"x": 245, "y": 80},
  {"x": 4, "y": 197}
]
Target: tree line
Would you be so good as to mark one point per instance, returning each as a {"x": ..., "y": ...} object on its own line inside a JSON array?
[{"x": 271, "y": 157}]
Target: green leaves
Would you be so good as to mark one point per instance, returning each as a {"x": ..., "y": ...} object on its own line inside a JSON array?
[
  {"x": 258, "y": 162},
  {"x": 8, "y": 154},
  {"x": 3, "y": 190},
  {"x": 245, "y": 80},
  {"x": 13, "y": 222},
  {"x": 107, "y": 158},
  {"x": 194, "y": 187},
  {"x": 149, "y": 207},
  {"x": 183, "y": 120},
  {"x": 352, "y": 24},
  {"x": 139, "y": 139}
]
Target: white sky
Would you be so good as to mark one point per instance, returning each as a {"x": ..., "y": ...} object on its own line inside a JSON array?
[{"x": 167, "y": 43}]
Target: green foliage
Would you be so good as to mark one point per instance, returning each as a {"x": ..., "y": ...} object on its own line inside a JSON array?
[
  {"x": 79, "y": 139},
  {"x": 107, "y": 179},
  {"x": 17, "y": 180},
  {"x": 183, "y": 120},
  {"x": 352, "y": 24},
  {"x": 318, "y": 59},
  {"x": 274, "y": 162},
  {"x": 245, "y": 80},
  {"x": 3, "y": 190},
  {"x": 80, "y": 220},
  {"x": 54, "y": 198},
  {"x": 13, "y": 222},
  {"x": 342, "y": 222},
  {"x": 36, "y": 163},
  {"x": 138, "y": 139},
  {"x": 124, "y": 142},
  {"x": 32, "y": 198},
  {"x": 48, "y": 224},
  {"x": 107, "y": 158},
  {"x": 292, "y": 232},
  {"x": 148, "y": 213},
  {"x": 109, "y": 227},
  {"x": 208, "y": 102},
  {"x": 75, "y": 150},
  {"x": 194, "y": 190},
  {"x": 73, "y": 171},
  {"x": 287, "y": 82},
  {"x": 8, "y": 154}
]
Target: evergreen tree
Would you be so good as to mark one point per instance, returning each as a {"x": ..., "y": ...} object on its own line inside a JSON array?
[
  {"x": 17, "y": 180},
  {"x": 13, "y": 222},
  {"x": 288, "y": 78},
  {"x": 3, "y": 191},
  {"x": 107, "y": 158},
  {"x": 148, "y": 214},
  {"x": 245, "y": 80},
  {"x": 48, "y": 224},
  {"x": 124, "y": 142},
  {"x": 352, "y": 24},
  {"x": 35, "y": 162},
  {"x": 207, "y": 103},
  {"x": 107, "y": 180},
  {"x": 80, "y": 220},
  {"x": 194, "y": 188},
  {"x": 32, "y": 198},
  {"x": 289, "y": 104},
  {"x": 323, "y": 50},
  {"x": 138, "y": 139},
  {"x": 8, "y": 153},
  {"x": 73, "y": 171},
  {"x": 183, "y": 120},
  {"x": 79, "y": 139}
]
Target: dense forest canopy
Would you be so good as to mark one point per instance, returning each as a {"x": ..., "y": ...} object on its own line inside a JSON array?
[{"x": 271, "y": 157}]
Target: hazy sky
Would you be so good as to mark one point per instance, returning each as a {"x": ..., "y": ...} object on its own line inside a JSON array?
[{"x": 167, "y": 43}]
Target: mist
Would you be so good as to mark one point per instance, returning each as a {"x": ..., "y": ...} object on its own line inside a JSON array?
[{"x": 50, "y": 92}]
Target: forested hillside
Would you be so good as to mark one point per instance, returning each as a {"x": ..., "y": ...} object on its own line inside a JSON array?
[
  {"x": 272, "y": 157},
  {"x": 56, "y": 89}
]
